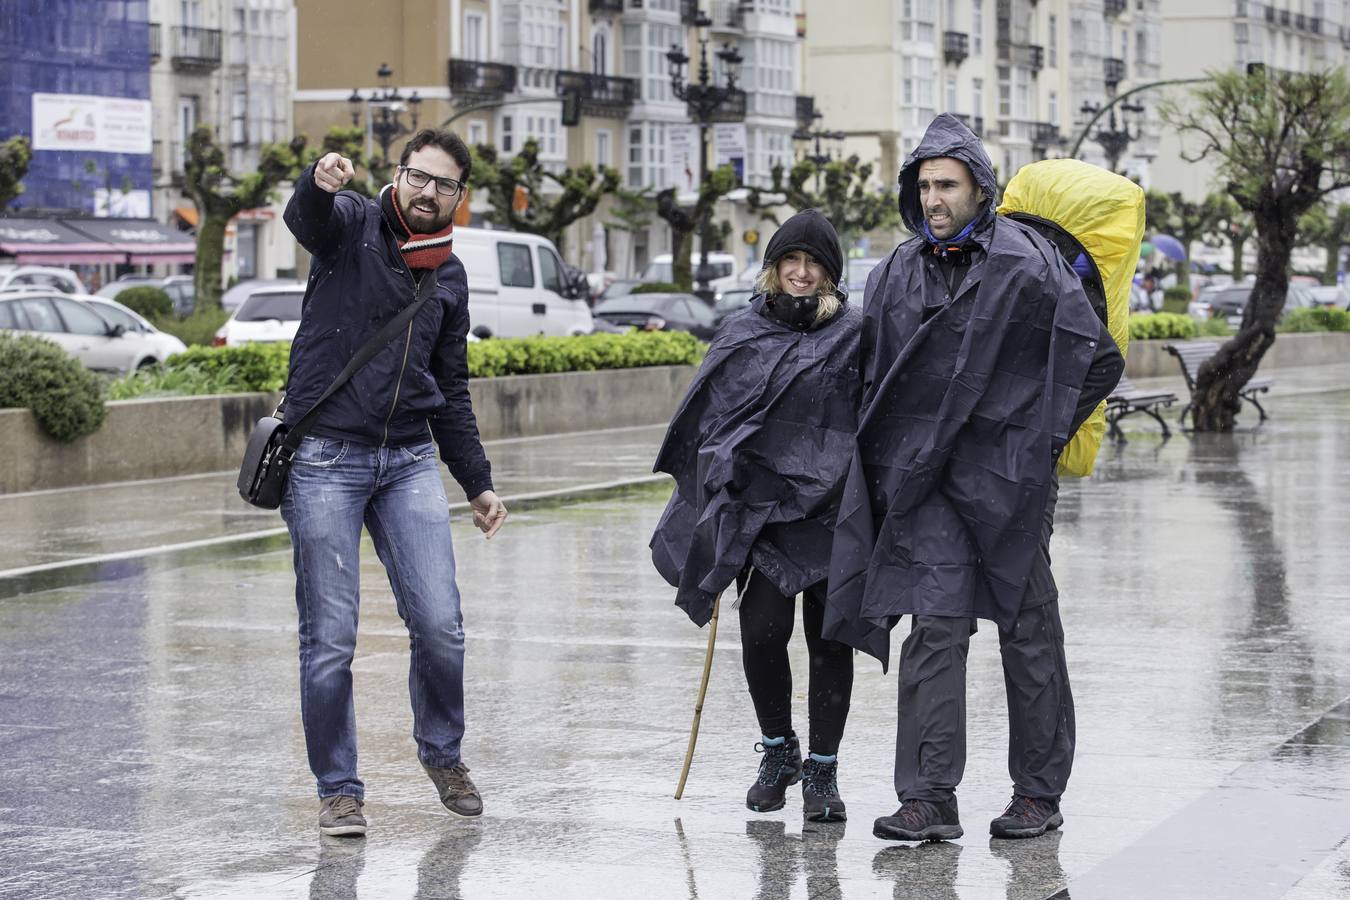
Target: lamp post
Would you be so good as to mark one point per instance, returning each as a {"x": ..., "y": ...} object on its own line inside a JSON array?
[
  {"x": 706, "y": 101},
  {"x": 817, "y": 135},
  {"x": 1113, "y": 138},
  {"x": 384, "y": 110}
]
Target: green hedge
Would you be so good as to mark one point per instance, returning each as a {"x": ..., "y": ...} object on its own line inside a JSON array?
[
  {"x": 263, "y": 367},
  {"x": 1297, "y": 320},
  {"x": 1163, "y": 325},
  {"x": 65, "y": 397},
  {"x": 657, "y": 287},
  {"x": 151, "y": 302},
  {"x": 195, "y": 330}
]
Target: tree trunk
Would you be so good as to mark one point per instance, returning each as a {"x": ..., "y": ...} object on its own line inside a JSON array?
[
  {"x": 1215, "y": 400},
  {"x": 1239, "y": 244},
  {"x": 1333, "y": 265},
  {"x": 210, "y": 254},
  {"x": 682, "y": 247}
]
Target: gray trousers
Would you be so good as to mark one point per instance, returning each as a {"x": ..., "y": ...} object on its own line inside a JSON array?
[{"x": 930, "y": 741}]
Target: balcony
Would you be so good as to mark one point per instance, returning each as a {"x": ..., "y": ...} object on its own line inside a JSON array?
[
  {"x": 974, "y": 123},
  {"x": 1113, "y": 71},
  {"x": 156, "y": 42},
  {"x": 689, "y": 12},
  {"x": 195, "y": 49},
  {"x": 730, "y": 110},
  {"x": 955, "y": 46},
  {"x": 728, "y": 15},
  {"x": 806, "y": 113},
  {"x": 606, "y": 7},
  {"x": 1113, "y": 8},
  {"x": 471, "y": 80},
  {"x": 1032, "y": 56},
  {"x": 1045, "y": 134},
  {"x": 601, "y": 95},
  {"x": 1035, "y": 57}
]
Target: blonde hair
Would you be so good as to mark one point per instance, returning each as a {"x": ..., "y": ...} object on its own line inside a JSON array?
[{"x": 767, "y": 283}]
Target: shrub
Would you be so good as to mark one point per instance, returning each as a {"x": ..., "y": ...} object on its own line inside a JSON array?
[
  {"x": 657, "y": 287},
  {"x": 1161, "y": 326},
  {"x": 195, "y": 330},
  {"x": 151, "y": 302},
  {"x": 1176, "y": 299},
  {"x": 65, "y": 397},
  {"x": 1319, "y": 319},
  {"x": 1215, "y": 327},
  {"x": 211, "y": 370}
]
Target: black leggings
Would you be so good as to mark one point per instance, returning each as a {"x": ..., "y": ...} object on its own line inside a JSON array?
[{"x": 766, "y": 625}]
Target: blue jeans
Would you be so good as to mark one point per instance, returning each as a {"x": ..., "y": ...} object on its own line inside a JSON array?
[{"x": 334, "y": 488}]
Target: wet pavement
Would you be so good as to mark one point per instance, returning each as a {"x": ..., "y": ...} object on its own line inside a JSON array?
[{"x": 149, "y": 716}]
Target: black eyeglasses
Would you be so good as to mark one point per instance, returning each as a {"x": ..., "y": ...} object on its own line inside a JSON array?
[{"x": 448, "y": 187}]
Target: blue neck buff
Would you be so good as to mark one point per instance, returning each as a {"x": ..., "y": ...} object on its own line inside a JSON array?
[{"x": 942, "y": 247}]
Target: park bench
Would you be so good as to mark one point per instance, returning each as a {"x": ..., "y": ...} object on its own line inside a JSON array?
[
  {"x": 1127, "y": 400},
  {"x": 1191, "y": 354}
]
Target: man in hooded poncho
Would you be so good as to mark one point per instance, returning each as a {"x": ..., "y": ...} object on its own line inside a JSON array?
[{"x": 980, "y": 356}]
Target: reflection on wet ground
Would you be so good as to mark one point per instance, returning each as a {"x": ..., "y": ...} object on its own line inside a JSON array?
[{"x": 149, "y": 724}]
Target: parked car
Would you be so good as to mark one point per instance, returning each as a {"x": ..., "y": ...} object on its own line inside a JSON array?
[
  {"x": 517, "y": 286},
  {"x": 180, "y": 289},
  {"x": 659, "y": 312},
  {"x": 44, "y": 277},
  {"x": 101, "y": 333},
  {"x": 725, "y": 275},
  {"x": 1228, "y": 301},
  {"x": 1331, "y": 296},
  {"x": 233, "y": 297},
  {"x": 620, "y": 288},
  {"x": 855, "y": 277},
  {"x": 731, "y": 301},
  {"x": 267, "y": 315}
]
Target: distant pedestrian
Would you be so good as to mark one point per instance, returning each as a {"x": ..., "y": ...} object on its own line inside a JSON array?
[
  {"x": 371, "y": 459},
  {"x": 981, "y": 355},
  {"x": 758, "y": 450}
]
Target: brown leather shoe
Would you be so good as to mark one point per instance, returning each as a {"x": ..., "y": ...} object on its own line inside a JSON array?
[{"x": 458, "y": 793}]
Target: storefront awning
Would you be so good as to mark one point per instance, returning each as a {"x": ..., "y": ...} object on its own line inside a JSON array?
[
  {"x": 49, "y": 241},
  {"x": 145, "y": 241}
]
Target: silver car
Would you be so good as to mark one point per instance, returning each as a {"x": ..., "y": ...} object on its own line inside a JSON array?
[{"x": 101, "y": 333}]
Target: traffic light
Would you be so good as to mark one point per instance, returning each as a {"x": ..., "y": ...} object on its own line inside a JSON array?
[{"x": 571, "y": 108}]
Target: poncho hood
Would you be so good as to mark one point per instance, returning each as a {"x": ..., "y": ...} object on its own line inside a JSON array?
[{"x": 947, "y": 136}]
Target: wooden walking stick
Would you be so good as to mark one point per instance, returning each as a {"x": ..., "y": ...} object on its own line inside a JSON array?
[{"x": 702, "y": 690}]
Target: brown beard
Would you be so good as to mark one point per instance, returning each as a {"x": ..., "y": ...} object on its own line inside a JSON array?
[{"x": 439, "y": 222}]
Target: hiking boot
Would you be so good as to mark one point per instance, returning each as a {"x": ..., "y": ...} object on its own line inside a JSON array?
[
  {"x": 780, "y": 768},
  {"x": 458, "y": 793},
  {"x": 340, "y": 815},
  {"x": 920, "y": 820},
  {"x": 1027, "y": 817},
  {"x": 820, "y": 792}
]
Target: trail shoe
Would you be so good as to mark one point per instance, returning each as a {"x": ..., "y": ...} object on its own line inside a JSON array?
[
  {"x": 340, "y": 815},
  {"x": 458, "y": 793},
  {"x": 780, "y": 768},
  {"x": 920, "y": 820},
  {"x": 820, "y": 792},
  {"x": 1027, "y": 817}
]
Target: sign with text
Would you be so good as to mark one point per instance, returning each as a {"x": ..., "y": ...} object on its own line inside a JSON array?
[
  {"x": 90, "y": 123},
  {"x": 730, "y": 147},
  {"x": 682, "y": 145}
]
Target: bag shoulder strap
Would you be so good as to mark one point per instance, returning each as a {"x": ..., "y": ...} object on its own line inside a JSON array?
[{"x": 381, "y": 338}]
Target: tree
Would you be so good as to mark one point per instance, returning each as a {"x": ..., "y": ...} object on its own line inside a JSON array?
[
  {"x": 841, "y": 193},
  {"x": 1328, "y": 228},
  {"x": 220, "y": 196},
  {"x": 631, "y": 212},
  {"x": 1186, "y": 221},
  {"x": 522, "y": 177},
  {"x": 1237, "y": 228},
  {"x": 1281, "y": 142},
  {"x": 684, "y": 222},
  {"x": 15, "y": 154}
]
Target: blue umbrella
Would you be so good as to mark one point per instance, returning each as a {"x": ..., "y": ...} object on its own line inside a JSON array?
[{"x": 1169, "y": 246}]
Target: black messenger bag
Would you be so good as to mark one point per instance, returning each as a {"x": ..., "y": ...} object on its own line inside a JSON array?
[{"x": 272, "y": 444}]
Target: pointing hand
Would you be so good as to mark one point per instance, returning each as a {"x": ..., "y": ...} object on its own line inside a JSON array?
[{"x": 333, "y": 171}]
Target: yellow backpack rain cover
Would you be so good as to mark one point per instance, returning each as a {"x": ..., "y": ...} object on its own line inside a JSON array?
[{"x": 1103, "y": 212}]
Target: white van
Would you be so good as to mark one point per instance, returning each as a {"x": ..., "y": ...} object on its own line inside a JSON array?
[{"x": 516, "y": 285}]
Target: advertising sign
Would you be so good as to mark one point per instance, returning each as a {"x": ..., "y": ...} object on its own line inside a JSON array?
[
  {"x": 730, "y": 147},
  {"x": 682, "y": 145},
  {"x": 92, "y": 124}
]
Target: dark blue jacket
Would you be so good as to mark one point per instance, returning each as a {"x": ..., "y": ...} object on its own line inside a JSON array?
[{"x": 417, "y": 387}]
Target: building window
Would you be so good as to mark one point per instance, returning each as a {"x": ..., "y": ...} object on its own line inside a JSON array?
[
  {"x": 602, "y": 149},
  {"x": 647, "y": 155},
  {"x": 475, "y": 29},
  {"x": 1052, "y": 39},
  {"x": 977, "y": 96},
  {"x": 477, "y": 132},
  {"x": 644, "y": 57},
  {"x": 977, "y": 27},
  {"x": 918, "y": 89},
  {"x": 239, "y": 117},
  {"x": 951, "y": 93},
  {"x": 541, "y": 40},
  {"x": 1004, "y": 92},
  {"x": 507, "y": 135},
  {"x": 600, "y": 51},
  {"x": 769, "y": 77},
  {"x": 1054, "y": 108}
]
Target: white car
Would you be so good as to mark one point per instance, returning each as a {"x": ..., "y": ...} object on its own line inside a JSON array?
[
  {"x": 48, "y": 278},
  {"x": 266, "y": 316},
  {"x": 725, "y": 274},
  {"x": 101, "y": 333}
]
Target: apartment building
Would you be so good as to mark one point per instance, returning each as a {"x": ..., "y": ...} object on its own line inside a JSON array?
[
  {"x": 1018, "y": 72},
  {"x": 228, "y": 64},
  {"x": 495, "y": 70},
  {"x": 1293, "y": 35}
]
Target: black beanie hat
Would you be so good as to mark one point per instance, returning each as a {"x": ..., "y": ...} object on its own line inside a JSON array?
[{"x": 810, "y": 231}]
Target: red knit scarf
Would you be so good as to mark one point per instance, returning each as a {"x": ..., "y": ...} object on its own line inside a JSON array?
[{"x": 420, "y": 251}]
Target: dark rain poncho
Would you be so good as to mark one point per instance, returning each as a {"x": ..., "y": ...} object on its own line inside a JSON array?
[
  {"x": 967, "y": 402},
  {"x": 758, "y": 450}
]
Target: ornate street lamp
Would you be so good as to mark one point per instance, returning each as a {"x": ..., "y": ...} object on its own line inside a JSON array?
[
  {"x": 1113, "y": 138},
  {"x": 707, "y": 102},
  {"x": 384, "y": 110}
]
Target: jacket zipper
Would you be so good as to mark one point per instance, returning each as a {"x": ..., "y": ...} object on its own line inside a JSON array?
[{"x": 407, "y": 345}]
